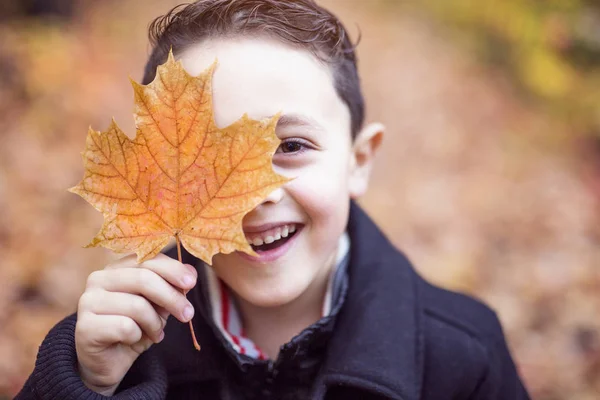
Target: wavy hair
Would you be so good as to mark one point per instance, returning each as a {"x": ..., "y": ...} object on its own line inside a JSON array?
[{"x": 300, "y": 23}]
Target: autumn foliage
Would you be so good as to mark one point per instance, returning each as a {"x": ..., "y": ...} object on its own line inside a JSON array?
[
  {"x": 487, "y": 191},
  {"x": 181, "y": 176}
]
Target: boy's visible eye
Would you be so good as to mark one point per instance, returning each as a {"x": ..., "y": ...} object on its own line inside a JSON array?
[{"x": 292, "y": 146}]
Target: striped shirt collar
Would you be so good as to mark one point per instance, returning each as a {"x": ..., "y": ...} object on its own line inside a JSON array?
[{"x": 225, "y": 313}]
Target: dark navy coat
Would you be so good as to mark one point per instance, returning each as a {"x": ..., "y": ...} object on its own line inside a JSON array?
[{"x": 395, "y": 337}]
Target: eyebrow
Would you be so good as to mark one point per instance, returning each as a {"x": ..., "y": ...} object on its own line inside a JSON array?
[{"x": 297, "y": 120}]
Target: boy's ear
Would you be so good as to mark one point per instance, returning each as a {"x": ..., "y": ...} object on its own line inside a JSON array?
[{"x": 364, "y": 148}]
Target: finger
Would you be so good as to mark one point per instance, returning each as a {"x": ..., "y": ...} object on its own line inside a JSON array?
[
  {"x": 177, "y": 274},
  {"x": 144, "y": 282},
  {"x": 127, "y": 261},
  {"x": 143, "y": 344},
  {"x": 103, "y": 330},
  {"x": 136, "y": 307},
  {"x": 162, "y": 311}
]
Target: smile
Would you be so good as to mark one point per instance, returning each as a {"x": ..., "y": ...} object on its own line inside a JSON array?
[
  {"x": 271, "y": 235},
  {"x": 271, "y": 243}
]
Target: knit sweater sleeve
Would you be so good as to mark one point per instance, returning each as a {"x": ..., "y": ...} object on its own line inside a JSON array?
[{"x": 56, "y": 376}]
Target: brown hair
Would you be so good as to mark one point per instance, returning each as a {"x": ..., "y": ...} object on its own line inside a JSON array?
[{"x": 301, "y": 23}]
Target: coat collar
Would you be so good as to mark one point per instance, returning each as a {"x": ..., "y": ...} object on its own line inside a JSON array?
[{"x": 377, "y": 343}]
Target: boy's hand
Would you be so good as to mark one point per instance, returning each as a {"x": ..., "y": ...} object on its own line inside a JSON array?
[{"x": 123, "y": 311}]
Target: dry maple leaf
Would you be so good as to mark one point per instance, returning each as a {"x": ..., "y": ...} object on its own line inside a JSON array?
[{"x": 181, "y": 176}]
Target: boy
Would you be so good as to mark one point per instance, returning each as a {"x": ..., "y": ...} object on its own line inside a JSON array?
[{"x": 329, "y": 309}]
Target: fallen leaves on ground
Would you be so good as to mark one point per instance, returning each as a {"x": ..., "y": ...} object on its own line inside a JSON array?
[{"x": 482, "y": 197}]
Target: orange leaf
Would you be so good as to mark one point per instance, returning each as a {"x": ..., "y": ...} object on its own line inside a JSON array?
[{"x": 181, "y": 176}]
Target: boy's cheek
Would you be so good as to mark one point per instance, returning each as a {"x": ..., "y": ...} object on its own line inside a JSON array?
[
  {"x": 321, "y": 196},
  {"x": 320, "y": 183},
  {"x": 357, "y": 186}
]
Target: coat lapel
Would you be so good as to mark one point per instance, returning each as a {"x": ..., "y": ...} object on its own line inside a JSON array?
[{"x": 377, "y": 344}]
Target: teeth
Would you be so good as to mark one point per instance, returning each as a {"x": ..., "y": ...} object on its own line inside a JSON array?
[{"x": 277, "y": 234}]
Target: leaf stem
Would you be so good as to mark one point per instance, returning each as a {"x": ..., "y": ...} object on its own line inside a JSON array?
[{"x": 196, "y": 344}]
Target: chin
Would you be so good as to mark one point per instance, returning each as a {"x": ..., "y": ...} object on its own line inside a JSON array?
[{"x": 270, "y": 296}]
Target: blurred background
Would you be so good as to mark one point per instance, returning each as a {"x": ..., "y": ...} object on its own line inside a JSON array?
[{"x": 489, "y": 178}]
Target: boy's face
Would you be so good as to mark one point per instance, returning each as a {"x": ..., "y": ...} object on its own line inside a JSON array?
[{"x": 262, "y": 77}]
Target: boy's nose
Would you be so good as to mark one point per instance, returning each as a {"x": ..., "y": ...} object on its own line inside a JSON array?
[{"x": 274, "y": 197}]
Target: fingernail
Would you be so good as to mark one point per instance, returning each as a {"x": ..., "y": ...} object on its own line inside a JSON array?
[
  {"x": 192, "y": 269},
  {"x": 188, "y": 280},
  {"x": 188, "y": 313},
  {"x": 161, "y": 337}
]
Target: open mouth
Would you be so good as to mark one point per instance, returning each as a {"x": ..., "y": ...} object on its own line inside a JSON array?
[
  {"x": 271, "y": 246},
  {"x": 273, "y": 238}
]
